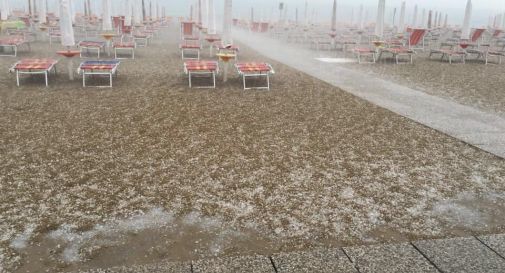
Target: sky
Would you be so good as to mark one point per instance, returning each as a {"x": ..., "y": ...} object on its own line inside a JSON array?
[{"x": 265, "y": 9}]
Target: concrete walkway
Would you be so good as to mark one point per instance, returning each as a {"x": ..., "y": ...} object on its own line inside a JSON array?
[
  {"x": 472, "y": 255},
  {"x": 483, "y": 130}
]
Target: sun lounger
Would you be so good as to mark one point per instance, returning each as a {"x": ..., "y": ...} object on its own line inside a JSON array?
[
  {"x": 123, "y": 45},
  {"x": 190, "y": 46},
  {"x": 201, "y": 68},
  {"x": 54, "y": 35},
  {"x": 448, "y": 51},
  {"x": 98, "y": 68},
  {"x": 416, "y": 36},
  {"x": 256, "y": 70},
  {"x": 365, "y": 52},
  {"x": 13, "y": 42},
  {"x": 498, "y": 53},
  {"x": 91, "y": 45},
  {"x": 34, "y": 66},
  {"x": 142, "y": 39}
]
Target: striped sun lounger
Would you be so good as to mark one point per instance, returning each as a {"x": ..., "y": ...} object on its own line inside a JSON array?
[
  {"x": 34, "y": 66},
  {"x": 257, "y": 70},
  {"x": 201, "y": 68},
  {"x": 13, "y": 42},
  {"x": 98, "y": 68},
  {"x": 91, "y": 45}
]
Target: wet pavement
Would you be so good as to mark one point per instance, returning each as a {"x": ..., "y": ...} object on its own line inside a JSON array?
[{"x": 469, "y": 254}]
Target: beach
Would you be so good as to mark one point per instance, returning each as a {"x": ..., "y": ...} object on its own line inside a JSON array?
[{"x": 96, "y": 172}]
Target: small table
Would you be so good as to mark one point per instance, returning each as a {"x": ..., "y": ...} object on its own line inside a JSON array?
[{"x": 69, "y": 54}]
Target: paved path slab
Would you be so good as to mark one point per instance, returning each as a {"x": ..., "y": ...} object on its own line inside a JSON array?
[
  {"x": 477, "y": 128},
  {"x": 496, "y": 242},
  {"x": 246, "y": 264},
  {"x": 394, "y": 258},
  {"x": 315, "y": 261},
  {"x": 461, "y": 255},
  {"x": 166, "y": 267}
]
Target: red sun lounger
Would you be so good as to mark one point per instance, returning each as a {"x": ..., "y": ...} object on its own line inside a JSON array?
[
  {"x": 34, "y": 66},
  {"x": 190, "y": 46},
  {"x": 98, "y": 68},
  {"x": 121, "y": 45},
  {"x": 364, "y": 52},
  {"x": 255, "y": 70},
  {"x": 448, "y": 51},
  {"x": 13, "y": 42},
  {"x": 416, "y": 36},
  {"x": 202, "y": 69},
  {"x": 91, "y": 45}
]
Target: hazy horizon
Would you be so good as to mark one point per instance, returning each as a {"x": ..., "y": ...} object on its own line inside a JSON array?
[{"x": 320, "y": 9}]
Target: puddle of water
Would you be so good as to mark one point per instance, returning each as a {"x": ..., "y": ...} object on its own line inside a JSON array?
[
  {"x": 119, "y": 244},
  {"x": 336, "y": 60}
]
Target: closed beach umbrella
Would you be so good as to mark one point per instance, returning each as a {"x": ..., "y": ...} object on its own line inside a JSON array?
[
  {"x": 401, "y": 24},
  {"x": 106, "y": 19},
  {"x": 4, "y": 10},
  {"x": 465, "y": 31},
  {"x": 128, "y": 13},
  {"x": 414, "y": 17},
  {"x": 212, "y": 19},
  {"x": 361, "y": 18},
  {"x": 137, "y": 12},
  {"x": 42, "y": 11},
  {"x": 334, "y": 16},
  {"x": 227, "y": 23},
  {"x": 67, "y": 31},
  {"x": 379, "y": 24}
]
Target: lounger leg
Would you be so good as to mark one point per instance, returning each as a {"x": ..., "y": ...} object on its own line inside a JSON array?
[
  {"x": 190, "y": 85},
  {"x": 83, "y": 79},
  {"x": 243, "y": 77},
  {"x": 268, "y": 81},
  {"x": 214, "y": 78},
  {"x": 110, "y": 78},
  {"x": 45, "y": 74},
  {"x": 17, "y": 77}
]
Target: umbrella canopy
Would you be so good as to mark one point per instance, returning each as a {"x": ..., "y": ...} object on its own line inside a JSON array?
[
  {"x": 334, "y": 16},
  {"x": 67, "y": 31},
  {"x": 379, "y": 24},
  {"x": 401, "y": 24},
  {"x": 106, "y": 16},
  {"x": 227, "y": 23},
  {"x": 465, "y": 31}
]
